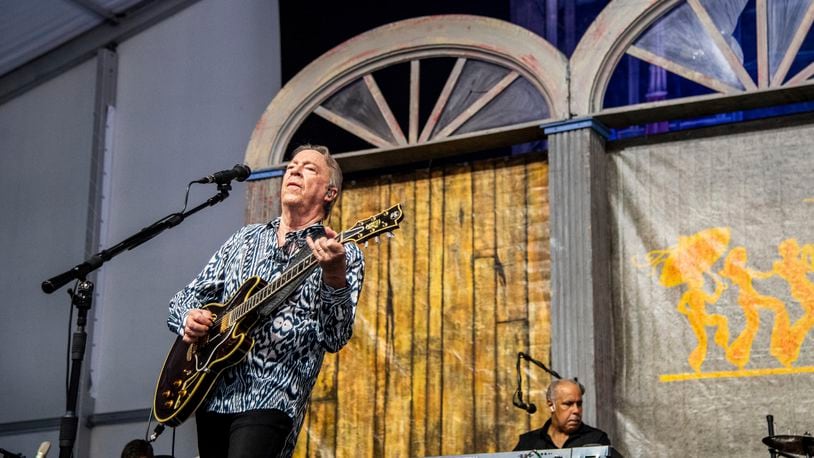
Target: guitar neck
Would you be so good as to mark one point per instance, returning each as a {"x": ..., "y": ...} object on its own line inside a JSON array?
[{"x": 262, "y": 296}]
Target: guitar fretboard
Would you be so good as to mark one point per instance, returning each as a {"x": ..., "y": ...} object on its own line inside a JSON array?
[{"x": 223, "y": 322}]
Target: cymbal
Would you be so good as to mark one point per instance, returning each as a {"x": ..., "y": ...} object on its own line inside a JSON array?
[{"x": 799, "y": 445}]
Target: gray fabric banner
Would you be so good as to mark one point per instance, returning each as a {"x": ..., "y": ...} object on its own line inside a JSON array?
[{"x": 713, "y": 292}]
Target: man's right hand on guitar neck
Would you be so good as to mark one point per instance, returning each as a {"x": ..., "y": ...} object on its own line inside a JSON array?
[{"x": 197, "y": 324}]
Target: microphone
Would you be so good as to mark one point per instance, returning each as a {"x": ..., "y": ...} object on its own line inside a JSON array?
[
  {"x": 530, "y": 408},
  {"x": 517, "y": 401},
  {"x": 239, "y": 172},
  {"x": 43, "y": 450}
]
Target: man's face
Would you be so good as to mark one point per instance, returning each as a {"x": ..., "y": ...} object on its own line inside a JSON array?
[
  {"x": 567, "y": 408},
  {"x": 306, "y": 180}
]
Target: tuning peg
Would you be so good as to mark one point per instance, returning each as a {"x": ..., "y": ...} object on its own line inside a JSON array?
[
  {"x": 376, "y": 239},
  {"x": 390, "y": 235},
  {"x": 365, "y": 243}
]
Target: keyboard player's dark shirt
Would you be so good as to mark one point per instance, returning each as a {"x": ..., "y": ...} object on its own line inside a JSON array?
[{"x": 539, "y": 439}]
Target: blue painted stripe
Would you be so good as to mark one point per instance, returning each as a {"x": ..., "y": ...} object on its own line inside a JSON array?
[{"x": 266, "y": 174}]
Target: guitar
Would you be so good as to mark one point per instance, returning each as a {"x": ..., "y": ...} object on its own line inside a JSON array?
[{"x": 191, "y": 370}]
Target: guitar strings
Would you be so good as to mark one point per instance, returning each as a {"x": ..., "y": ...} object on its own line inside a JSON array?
[{"x": 265, "y": 292}]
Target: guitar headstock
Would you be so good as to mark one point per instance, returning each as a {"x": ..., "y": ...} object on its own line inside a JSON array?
[{"x": 384, "y": 222}]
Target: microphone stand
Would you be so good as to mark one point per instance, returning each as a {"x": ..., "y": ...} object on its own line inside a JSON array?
[
  {"x": 517, "y": 399},
  {"x": 770, "y": 421},
  {"x": 82, "y": 298}
]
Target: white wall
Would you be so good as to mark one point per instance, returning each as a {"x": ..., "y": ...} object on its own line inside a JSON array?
[
  {"x": 190, "y": 90},
  {"x": 45, "y": 146},
  {"x": 43, "y": 204}
]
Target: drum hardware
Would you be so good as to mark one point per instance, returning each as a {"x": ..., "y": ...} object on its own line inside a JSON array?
[{"x": 788, "y": 445}]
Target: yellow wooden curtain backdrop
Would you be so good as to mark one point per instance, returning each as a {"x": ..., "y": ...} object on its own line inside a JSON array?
[{"x": 446, "y": 305}]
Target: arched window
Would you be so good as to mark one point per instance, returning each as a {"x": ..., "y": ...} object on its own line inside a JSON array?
[{"x": 502, "y": 83}]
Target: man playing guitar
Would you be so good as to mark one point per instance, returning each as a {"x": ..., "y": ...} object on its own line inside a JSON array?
[{"x": 256, "y": 407}]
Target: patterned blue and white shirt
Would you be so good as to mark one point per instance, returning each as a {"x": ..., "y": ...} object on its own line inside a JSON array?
[{"x": 281, "y": 369}]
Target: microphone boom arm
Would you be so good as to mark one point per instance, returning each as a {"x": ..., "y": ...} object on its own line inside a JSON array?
[
  {"x": 538, "y": 363},
  {"x": 80, "y": 271}
]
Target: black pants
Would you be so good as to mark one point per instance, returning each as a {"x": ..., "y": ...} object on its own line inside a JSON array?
[{"x": 252, "y": 434}]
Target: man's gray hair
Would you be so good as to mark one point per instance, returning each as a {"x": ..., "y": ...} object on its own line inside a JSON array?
[
  {"x": 552, "y": 388},
  {"x": 336, "y": 172}
]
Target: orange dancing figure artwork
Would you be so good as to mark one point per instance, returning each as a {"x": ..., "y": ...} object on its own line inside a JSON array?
[
  {"x": 794, "y": 265},
  {"x": 687, "y": 264},
  {"x": 751, "y": 300}
]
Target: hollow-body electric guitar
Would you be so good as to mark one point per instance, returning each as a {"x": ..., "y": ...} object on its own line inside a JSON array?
[{"x": 191, "y": 370}]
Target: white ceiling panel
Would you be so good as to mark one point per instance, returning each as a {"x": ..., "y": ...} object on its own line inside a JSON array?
[{"x": 30, "y": 28}]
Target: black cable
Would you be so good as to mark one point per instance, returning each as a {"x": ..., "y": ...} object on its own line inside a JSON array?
[
  {"x": 186, "y": 197},
  {"x": 68, "y": 348}
]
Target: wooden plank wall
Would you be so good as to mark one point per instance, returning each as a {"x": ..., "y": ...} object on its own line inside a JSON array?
[{"x": 446, "y": 306}]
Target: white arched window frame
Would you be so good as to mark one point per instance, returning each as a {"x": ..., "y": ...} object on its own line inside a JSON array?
[
  {"x": 693, "y": 39},
  {"x": 500, "y": 59}
]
